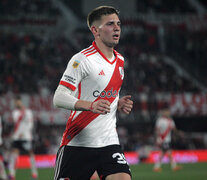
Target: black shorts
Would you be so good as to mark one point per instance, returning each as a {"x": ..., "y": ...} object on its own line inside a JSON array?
[
  {"x": 23, "y": 146},
  {"x": 79, "y": 163},
  {"x": 165, "y": 146}
]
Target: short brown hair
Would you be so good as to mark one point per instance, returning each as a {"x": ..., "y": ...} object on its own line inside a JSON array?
[
  {"x": 18, "y": 97},
  {"x": 98, "y": 12}
]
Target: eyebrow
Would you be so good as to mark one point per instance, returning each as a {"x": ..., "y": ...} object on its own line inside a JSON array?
[{"x": 112, "y": 21}]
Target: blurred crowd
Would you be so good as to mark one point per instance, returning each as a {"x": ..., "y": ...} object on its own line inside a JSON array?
[
  {"x": 189, "y": 49},
  {"x": 134, "y": 137},
  {"x": 31, "y": 7},
  {"x": 167, "y": 6},
  {"x": 147, "y": 69},
  {"x": 30, "y": 62}
]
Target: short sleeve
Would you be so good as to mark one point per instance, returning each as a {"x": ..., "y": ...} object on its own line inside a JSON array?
[
  {"x": 30, "y": 115},
  {"x": 74, "y": 72},
  {"x": 173, "y": 124},
  {"x": 157, "y": 124},
  {"x": 14, "y": 116}
]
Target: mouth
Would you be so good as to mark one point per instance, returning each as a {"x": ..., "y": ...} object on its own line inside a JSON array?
[{"x": 116, "y": 36}]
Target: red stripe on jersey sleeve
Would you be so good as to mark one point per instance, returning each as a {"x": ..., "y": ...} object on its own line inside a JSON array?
[
  {"x": 68, "y": 85},
  {"x": 91, "y": 54},
  {"x": 87, "y": 49}
]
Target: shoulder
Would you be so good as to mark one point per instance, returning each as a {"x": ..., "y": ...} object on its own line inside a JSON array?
[
  {"x": 172, "y": 121},
  {"x": 15, "y": 112},
  {"x": 163, "y": 119},
  {"x": 77, "y": 58},
  {"x": 160, "y": 120},
  {"x": 82, "y": 57},
  {"x": 119, "y": 55},
  {"x": 89, "y": 51},
  {"x": 28, "y": 112},
  {"x": 76, "y": 61}
]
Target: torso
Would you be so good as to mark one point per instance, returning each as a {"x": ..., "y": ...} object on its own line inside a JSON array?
[{"x": 93, "y": 78}]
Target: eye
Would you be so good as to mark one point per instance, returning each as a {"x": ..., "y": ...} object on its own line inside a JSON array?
[{"x": 109, "y": 23}]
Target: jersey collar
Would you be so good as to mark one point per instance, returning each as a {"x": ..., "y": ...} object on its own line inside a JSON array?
[{"x": 99, "y": 51}]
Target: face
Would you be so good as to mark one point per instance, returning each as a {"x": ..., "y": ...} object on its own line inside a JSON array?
[
  {"x": 166, "y": 112},
  {"x": 18, "y": 104},
  {"x": 109, "y": 30}
]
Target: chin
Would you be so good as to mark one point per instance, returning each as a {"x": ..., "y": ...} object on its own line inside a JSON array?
[
  {"x": 111, "y": 44},
  {"x": 116, "y": 44}
]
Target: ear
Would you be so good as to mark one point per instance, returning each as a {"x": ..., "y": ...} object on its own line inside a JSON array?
[{"x": 95, "y": 31}]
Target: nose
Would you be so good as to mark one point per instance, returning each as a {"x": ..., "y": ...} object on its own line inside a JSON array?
[{"x": 117, "y": 27}]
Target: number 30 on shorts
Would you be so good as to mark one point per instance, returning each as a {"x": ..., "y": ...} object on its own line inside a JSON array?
[{"x": 120, "y": 158}]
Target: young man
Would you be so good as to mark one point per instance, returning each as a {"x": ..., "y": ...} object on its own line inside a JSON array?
[
  {"x": 22, "y": 137},
  {"x": 164, "y": 127},
  {"x": 90, "y": 88}
]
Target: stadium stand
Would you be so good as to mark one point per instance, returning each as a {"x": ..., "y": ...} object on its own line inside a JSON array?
[
  {"x": 31, "y": 7},
  {"x": 167, "y": 7},
  {"x": 32, "y": 56},
  {"x": 31, "y": 60}
]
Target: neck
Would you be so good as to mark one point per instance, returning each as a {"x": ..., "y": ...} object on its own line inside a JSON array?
[
  {"x": 21, "y": 108},
  {"x": 107, "y": 51}
]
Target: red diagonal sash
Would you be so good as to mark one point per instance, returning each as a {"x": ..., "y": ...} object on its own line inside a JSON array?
[
  {"x": 22, "y": 112},
  {"x": 163, "y": 135},
  {"x": 85, "y": 117}
]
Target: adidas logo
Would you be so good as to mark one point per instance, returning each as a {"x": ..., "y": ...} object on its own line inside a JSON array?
[{"x": 102, "y": 73}]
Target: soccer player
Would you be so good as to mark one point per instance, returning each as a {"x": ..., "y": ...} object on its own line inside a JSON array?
[
  {"x": 3, "y": 175},
  {"x": 164, "y": 127},
  {"x": 90, "y": 88},
  {"x": 22, "y": 137}
]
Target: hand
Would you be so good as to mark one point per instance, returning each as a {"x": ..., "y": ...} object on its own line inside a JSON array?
[
  {"x": 125, "y": 104},
  {"x": 158, "y": 141},
  {"x": 181, "y": 134},
  {"x": 101, "y": 106}
]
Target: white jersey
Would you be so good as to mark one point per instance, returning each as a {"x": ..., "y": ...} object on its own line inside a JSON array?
[
  {"x": 1, "y": 129},
  {"x": 92, "y": 76},
  {"x": 23, "y": 120},
  {"x": 164, "y": 126}
]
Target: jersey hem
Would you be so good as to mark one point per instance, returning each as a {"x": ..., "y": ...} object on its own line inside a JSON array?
[{"x": 92, "y": 146}]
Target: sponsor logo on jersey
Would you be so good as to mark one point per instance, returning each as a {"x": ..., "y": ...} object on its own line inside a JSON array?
[
  {"x": 121, "y": 71},
  {"x": 76, "y": 64},
  {"x": 102, "y": 73},
  {"x": 64, "y": 179},
  {"x": 104, "y": 93},
  {"x": 69, "y": 79}
]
